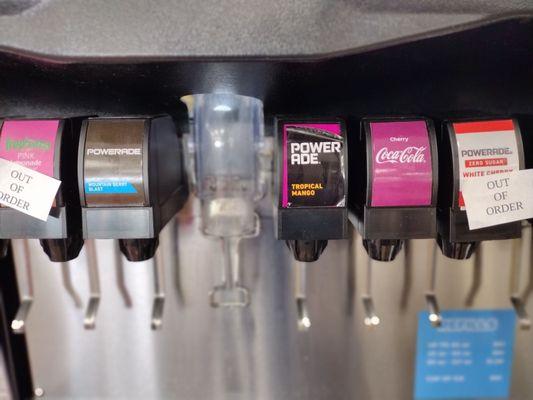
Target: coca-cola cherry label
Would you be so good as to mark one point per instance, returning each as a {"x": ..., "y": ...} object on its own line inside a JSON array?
[{"x": 401, "y": 164}]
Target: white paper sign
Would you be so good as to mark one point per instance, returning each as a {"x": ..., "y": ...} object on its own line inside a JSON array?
[
  {"x": 498, "y": 199},
  {"x": 26, "y": 190}
]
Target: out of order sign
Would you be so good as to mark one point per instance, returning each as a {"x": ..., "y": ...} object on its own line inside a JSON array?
[
  {"x": 498, "y": 199},
  {"x": 26, "y": 190}
]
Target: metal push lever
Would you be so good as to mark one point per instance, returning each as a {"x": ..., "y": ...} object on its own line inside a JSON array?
[
  {"x": 432, "y": 303},
  {"x": 120, "y": 281},
  {"x": 159, "y": 291},
  {"x": 18, "y": 325},
  {"x": 300, "y": 270},
  {"x": 371, "y": 318},
  {"x": 89, "y": 321},
  {"x": 516, "y": 300},
  {"x": 67, "y": 284},
  {"x": 231, "y": 292}
]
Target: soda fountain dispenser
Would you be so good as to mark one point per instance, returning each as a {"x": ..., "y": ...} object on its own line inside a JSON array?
[
  {"x": 227, "y": 136},
  {"x": 312, "y": 191},
  {"x": 131, "y": 179},
  {"x": 394, "y": 193},
  {"x": 132, "y": 182},
  {"x": 469, "y": 149},
  {"x": 47, "y": 146},
  {"x": 394, "y": 175}
]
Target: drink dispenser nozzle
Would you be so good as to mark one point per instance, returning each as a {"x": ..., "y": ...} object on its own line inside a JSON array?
[
  {"x": 464, "y": 154},
  {"x": 393, "y": 181},
  {"x": 312, "y": 189},
  {"x": 132, "y": 181},
  {"x": 49, "y": 147},
  {"x": 227, "y": 136}
]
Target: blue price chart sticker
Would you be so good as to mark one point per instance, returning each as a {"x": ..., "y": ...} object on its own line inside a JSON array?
[{"x": 468, "y": 357}]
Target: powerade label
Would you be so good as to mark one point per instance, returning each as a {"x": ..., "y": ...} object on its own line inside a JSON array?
[
  {"x": 113, "y": 163},
  {"x": 468, "y": 357},
  {"x": 313, "y": 165},
  {"x": 485, "y": 148},
  {"x": 402, "y": 173},
  {"x": 30, "y": 144}
]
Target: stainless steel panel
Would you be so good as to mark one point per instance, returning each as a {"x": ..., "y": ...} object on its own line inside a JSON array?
[
  {"x": 17, "y": 225},
  {"x": 115, "y": 151},
  {"x": 255, "y": 352},
  {"x": 123, "y": 223}
]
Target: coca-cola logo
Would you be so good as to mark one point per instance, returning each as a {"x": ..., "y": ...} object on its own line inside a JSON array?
[{"x": 411, "y": 154}]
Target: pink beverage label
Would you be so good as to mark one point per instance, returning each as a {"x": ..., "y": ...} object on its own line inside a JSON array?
[
  {"x": 401, "y": 164},
  {"x": 30, "y": 143}
]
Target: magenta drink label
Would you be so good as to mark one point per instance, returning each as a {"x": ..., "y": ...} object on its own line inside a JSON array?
[
  {"x": 313, "y": 165},
  {"x": 401, "y": 164},
  {"x": 30, "y": 143}
]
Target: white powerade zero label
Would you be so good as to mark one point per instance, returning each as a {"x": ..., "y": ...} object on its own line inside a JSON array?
[{"x": 485, "y": 148}]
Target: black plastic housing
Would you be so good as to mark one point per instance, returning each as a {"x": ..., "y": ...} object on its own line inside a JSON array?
[{"x": 60, "y": 236}]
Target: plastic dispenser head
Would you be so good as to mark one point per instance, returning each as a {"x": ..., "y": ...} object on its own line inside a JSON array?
[
  {"x": 49, "y": 147},
  {"x": 227, "y": 132},
  {"x": 396, "y": 198},
  {"x": 132, "y": 181},
  {"x": 469, "y": 149},
  {"x": 312, "y": 193}
]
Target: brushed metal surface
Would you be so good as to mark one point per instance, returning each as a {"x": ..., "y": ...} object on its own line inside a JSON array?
[
  {"x": 108, "y": 134},
  {"x": 256, "y": 352}
]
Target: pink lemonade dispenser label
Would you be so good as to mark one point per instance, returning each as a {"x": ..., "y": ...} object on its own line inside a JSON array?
[
  {"x": 402, "y": 172},
  {"x": 30, "y": 144}
]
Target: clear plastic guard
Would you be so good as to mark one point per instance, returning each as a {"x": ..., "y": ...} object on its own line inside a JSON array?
[
  {"x": 228, "y": 153},
  {"x": 231, "y": 292}
]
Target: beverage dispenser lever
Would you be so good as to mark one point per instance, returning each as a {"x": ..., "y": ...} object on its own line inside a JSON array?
[
  {"x": 516, "y": 299},
  {"x": 304, "y": 322},
  {"x": 67, "y": 284},
  {"x": 89, "y": 321},
  {"x": 18, "y": 325},
  {"x": 431, "y": 298},
  {"x": 121, "y": 283},
  {"x": 159, "y": 291},
  {"x": 371, "y": 318}
]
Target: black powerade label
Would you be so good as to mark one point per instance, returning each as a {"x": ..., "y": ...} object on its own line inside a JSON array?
[{"x": 313, "y": 165}]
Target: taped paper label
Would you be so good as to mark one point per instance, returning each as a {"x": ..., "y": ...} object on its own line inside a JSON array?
[
  {"x": 27, "y": 190},
  {"x": 499, "y": 199}
]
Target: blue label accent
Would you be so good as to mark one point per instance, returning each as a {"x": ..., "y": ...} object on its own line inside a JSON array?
[
  {"x": 469, "y": 356},
  {"x": 109, "y": 187}
]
